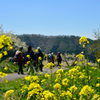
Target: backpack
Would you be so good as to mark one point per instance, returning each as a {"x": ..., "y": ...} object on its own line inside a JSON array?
[
  {"x": 50, "y": 56},
  {"x": 17, "y": 56}
]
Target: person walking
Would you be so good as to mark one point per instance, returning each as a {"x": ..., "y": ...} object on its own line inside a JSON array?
[
  {"x": 59, "y": 59},
  {"x": 50, "y": 57},
  {"x": 32, "y": 56},
  {"x": 19, "y": 57},
  {"x": 39, "y": 62}
]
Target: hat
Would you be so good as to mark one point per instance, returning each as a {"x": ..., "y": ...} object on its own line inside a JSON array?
[
  {"x": 58, "y": 53},
  {"x": 38, "y": 48},
  {"x": 20, "y": 47}
]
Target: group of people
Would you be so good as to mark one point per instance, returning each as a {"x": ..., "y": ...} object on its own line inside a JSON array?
[
  {"x": 51, "y": 58},
  {"x": 22, "y": 58}
]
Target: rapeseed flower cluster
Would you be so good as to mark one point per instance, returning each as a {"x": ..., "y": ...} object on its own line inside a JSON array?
[
  {"x": 5, "y": 45},
  {"x": 81, "y": 58},
  {"x": 83, "y": 40},
  {"x": 6, "y": 68},
  {"x": 8, "y": 94},
  {"x": 57, "y": 86},
  {"x": 47, "y": 95},
  {"x": 2, "y": 74},
  {"x": 34, "y": 91},
  {"x": 86, "y": 92},
  {"x": 31, "y": 78}
]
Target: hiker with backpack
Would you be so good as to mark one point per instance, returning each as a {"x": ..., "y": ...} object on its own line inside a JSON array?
[
  {"x": 50, "y": 57},
  {"x": 39, "y": 62},
  {"x": 59, "y": 59},
  {"x": 19, "y": 58},
  {"x": 32, "y": 57}
]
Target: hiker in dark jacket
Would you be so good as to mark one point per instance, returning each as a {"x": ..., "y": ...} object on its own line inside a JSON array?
[
  {"x": 21, "y": 59},
  {"x": 40, "y": 54},
  {"x": 32, "y": 55},
  {"x": 59, "y": 59}
]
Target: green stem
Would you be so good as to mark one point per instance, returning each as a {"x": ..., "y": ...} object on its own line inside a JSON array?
[{"x": 87, "y": 64}]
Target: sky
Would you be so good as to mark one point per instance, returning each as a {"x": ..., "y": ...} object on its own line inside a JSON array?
[{"x": 51, "y": 17}]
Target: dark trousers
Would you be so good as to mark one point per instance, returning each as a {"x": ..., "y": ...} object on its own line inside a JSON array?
[
  {"x": 59, "y": 62},
  {"x": 41, "y": 67},
  {"x": 20, "y": 67}
]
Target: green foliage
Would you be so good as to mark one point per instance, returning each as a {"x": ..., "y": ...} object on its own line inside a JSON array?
[{"x": 96, "y": 45}]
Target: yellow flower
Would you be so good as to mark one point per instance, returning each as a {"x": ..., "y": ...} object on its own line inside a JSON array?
[
  {"x": 61, "y": 64},
  {"x": 98, "y": 85},
  {"x": 83, "y": 39},
  {"x": 88, "y": 63},
  {"x": 82, "y": 52},
  {"x": 88, "y": 42},
  {"x": 98, "y": 60},
  {"x": 8, "y": 93},
  {"x": 65, "y": 82},
  {"x": 24, "y": 88},
  {"x": 28, "y": 56},
  {"x": 5, "y": 53},
  {"x": 5, "y": 80},
  {"x": 6, "y": 68},
  {"x": 47, "y": 75},
  {"x": 9, "y": 47},
  {"x": 39, "y": 58},
  {"x": 86, "y": 91},
  {"x": 60, "y": 71},
  {"x": 36, "y": 51},
  {"x": 73, "y": 89},
  {"x": 28, "y": 62},
  {"x": 95, "y": 97},
  {"x": 57, "y": 86},
  {"x": 83, "y": 46},
  {"x": 59, "y": 67},
  {"x": 1, "y": 55},
  {"x": 41, "y": 73},
  {"x": 75, "y": 62}
]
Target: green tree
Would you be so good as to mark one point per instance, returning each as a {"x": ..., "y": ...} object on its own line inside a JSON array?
[{"x": 96, "y": 44}]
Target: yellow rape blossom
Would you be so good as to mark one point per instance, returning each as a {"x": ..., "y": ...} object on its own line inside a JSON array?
[
  {"x": 65, "y": 82},
  {"x": 9, "y": 93},
  {"x": 6, "y": 68},
  {"x": 39, "y": 58},
  {"x": 73, "y": 89},
  {"x": 36, "y": 51},
  {"x": 57, "y": 86},
  {"x": 98, "y": 85},
  {"x": 95, "y": 96},
  {"x": 24, "y": 88},
  {"x": 60, "y": 71},
  {"x": 28, "y": 56},
  {"x": 83, "y": 39},
  {"x": 48, "y": 95},
  {"x": 47, "y": 75},
  {"x": 1, "y": 55},
  {"x": 86, "y": 91},
  {"x": 5, "y": 53}
]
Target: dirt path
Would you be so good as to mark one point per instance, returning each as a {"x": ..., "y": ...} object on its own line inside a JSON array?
[{"x": 15, "y": 75}]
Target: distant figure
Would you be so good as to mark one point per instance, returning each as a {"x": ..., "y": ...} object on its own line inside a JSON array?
[
  {"x": 53, "y": 58},
  {"x": 50, "y": 57},
  {"x": 59, "y": 59},
  {"x": 32, "y": 55},
  {"x": 40, "y": 54},
  {"x": 19, "y": 57}
]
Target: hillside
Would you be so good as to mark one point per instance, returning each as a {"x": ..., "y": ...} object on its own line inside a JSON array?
[{"x": 69, "y": 44}]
